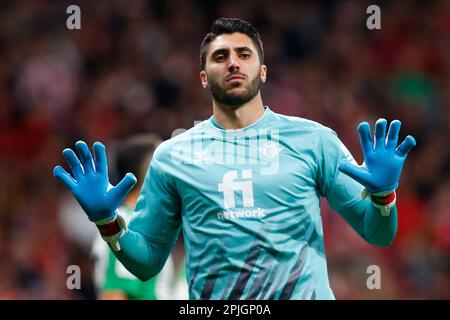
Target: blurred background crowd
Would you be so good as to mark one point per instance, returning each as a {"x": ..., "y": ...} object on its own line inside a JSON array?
[{"x": 134, "y": 68}]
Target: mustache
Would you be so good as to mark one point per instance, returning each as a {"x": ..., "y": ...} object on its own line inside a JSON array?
[{"x": 236, "y": 74}]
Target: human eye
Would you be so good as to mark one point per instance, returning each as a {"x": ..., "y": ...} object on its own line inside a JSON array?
[
  {"x": 245, "y": 55},
  {"x": 219, "y": 58}
]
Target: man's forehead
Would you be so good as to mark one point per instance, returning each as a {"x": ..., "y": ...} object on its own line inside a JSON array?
[{"x": 231, "y": 41}]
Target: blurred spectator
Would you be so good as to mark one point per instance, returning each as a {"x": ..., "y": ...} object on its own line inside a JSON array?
[{"x": 112, "y": 279}]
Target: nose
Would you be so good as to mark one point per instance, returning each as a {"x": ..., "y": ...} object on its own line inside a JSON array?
[{"x": 233, "y": 63}]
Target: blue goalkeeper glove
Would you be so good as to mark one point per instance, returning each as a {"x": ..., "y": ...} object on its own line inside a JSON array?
[
  {"x": 89, "y": 182},
  {"x": 383, "y": 162}
]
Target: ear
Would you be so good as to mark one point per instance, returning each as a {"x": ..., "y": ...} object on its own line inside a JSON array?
[
  {"x": 204, "y": 79},
  {"x": 263, "y": 73}
]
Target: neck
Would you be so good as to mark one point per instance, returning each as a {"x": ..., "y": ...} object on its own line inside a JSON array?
[{"x": 238, "y": 117}]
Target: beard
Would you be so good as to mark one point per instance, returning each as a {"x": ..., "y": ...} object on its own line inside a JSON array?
[{"x": 235, "y": 100}]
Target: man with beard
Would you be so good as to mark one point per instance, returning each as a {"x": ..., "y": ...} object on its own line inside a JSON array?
[{"x": 245, "y": 187}]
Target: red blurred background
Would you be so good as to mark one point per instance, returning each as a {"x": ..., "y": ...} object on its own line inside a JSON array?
[{"x": 134, "y": 67}]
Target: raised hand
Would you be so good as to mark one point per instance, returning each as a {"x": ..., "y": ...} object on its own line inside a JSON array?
[
  {"x": 89, "y": 181},
  {"x": 383, "y": 160}
]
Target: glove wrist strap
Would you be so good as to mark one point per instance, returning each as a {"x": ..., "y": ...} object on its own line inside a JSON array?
[
  {"x": 383, "y": 200},
  {"x": 111, "y": 231},
  {"x": 110, "y": 228}
]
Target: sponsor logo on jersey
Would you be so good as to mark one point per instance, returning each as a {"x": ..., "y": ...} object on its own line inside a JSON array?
[
  {"x": 230, "y": 186},
  {"x": 254, "y": 147}
]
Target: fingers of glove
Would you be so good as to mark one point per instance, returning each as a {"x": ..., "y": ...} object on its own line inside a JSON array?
[
  {"x": 101, "y": 163},
  {"x": 120, "y": 191},
  {"x": 74, "y": 163},
  {"x": 380, "y": 133},
  {"x": 357, "y": 173},
  {"x": 86, "y": 157},
  {"x": 405, "y": 147},
  {"x": 64, "y": 177},
  {"x": 392, "y": 137},
  {"x": 365, "y": 137}
]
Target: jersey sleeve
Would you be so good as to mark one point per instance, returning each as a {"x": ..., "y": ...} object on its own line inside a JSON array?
[
  {"x": 340, "y": 190},
  {"x": 157, "y": 214}
]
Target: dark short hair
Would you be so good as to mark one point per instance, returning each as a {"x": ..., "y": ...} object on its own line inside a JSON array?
[
  {"x": 134, "y": 154},
  {"x": 228, "y": 26}
]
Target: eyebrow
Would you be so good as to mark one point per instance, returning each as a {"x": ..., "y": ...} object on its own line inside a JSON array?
[{"x": 224, "y": 51}]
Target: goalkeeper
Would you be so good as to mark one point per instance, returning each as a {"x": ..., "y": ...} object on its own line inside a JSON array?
[{"x": 244, "y": 187}]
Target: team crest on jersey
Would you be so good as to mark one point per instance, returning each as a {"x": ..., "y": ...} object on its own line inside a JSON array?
[{"x": 269, "y": 149}]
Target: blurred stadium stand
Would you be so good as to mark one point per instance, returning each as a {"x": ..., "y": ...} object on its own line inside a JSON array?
[{"x": 133, "y": 67}]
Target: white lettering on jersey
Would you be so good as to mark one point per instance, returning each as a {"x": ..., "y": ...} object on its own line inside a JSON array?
[{"x": 229, "y": 186}]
